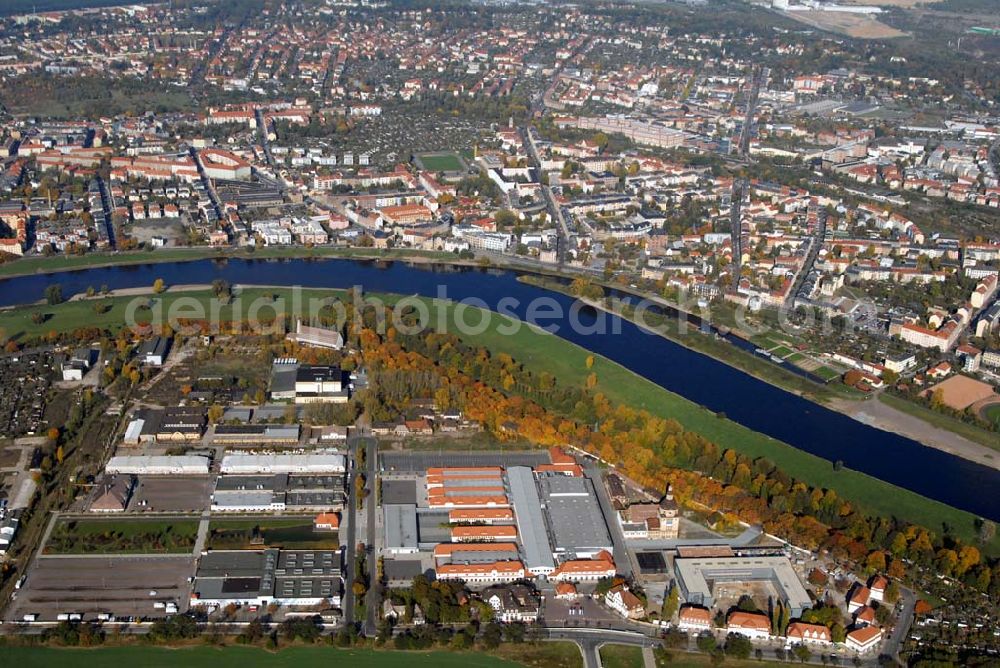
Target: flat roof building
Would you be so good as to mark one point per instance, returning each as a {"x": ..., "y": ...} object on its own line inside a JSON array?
[
  {"x": 400, "y": 526},
  {"x": 261, "y": 577},
  {"x": 290, "y": 463},
  {"x": 256, "y": 434},
  {"x": 279, "y": 491},
  {"x": 697, "y": 578},
  {"x": 537, "y": 550},
  {"x": 158, "y": 465},
  {"x": 573, "y": 513}
]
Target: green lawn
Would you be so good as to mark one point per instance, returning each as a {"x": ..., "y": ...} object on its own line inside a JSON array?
[
  {"x": 782, "y": 351},
  {"x": 241, "y": 657},
  {"x": 621, "y": 656},
  {"x": 556, "y": 654},
  {"x": 18, "y": 323},
  {"x": 992, "y": 413},
  {"x": 122, "y": 536},
  {"x": 826, "y": 373},
  {"x": 444, "y": 162},
  {"x": 287, "y": 533},
  {"x": 37, "y": 265}
]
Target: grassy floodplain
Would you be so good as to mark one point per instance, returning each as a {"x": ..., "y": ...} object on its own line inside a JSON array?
[
  {"x": 48, "y": 265},
  {"x": 567, "y": 362},
  {"x": 240, "y": 657}
]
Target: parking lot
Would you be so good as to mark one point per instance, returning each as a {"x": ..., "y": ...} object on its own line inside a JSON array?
[
  {"x": 171, "y": 494},
  {"x": 117, "y": 585},
  {"x": 581, "y": 611}
]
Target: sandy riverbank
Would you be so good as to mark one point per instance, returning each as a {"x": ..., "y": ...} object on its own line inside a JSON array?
[
  {"x": 877, "y": 414},
  {"x": 874, "y": 413}
]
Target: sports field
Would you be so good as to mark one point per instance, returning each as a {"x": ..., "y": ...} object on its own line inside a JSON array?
[{"x": 441, "y": 162}]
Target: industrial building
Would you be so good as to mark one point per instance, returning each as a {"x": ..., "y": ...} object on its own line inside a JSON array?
[
  {"x": 318, "y": 337},
  {"x": 474, "y": 553},
  {"x": 305, "y": 383},
  {"x": 280, "y": 491},
  {"x": 158, "y": 465},
  {"x": 176, "y": 424},
  {"x": 576, "y": 524},
  {"x": 530, "y": 522},
  {"x": 262, "y": 577},
  {"x": 466, "y": 487},
  {"x": 252, "y": 435},
  {"x": 283, "y": 463},
  {"x": 698, "y": 577},
  {"x": 400, "y": 526}
]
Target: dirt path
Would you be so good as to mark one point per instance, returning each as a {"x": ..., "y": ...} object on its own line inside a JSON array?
[{"x": 877, "y": 414}]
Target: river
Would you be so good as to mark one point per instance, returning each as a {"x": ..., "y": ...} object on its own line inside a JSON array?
[{"x": 743, "y": 398}]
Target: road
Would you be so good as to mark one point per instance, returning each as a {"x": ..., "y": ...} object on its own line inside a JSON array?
[
  {"x": 372, "y": 602},
  {"x": 553, "y": 207},
  {"x": 209, "y": 186},
  {"x": 908, "y": 601},
  {"x": 757, "y": 77},
  {"x": 735, "y": 233},
  {"x": 351, "y": 538},
  {"x": 590, "y": 641},
  {"x": 815, "y": 244}
]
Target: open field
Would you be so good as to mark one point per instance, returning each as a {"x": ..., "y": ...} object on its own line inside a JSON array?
[
  {"x": 853, "y": 25},
  {"x": 561, "y": 654},
  {"x": 92, "y": 585},
  {"x": 292, "y": 533},
  {"x": 240, "y": 657},
  {"x": 122, "y": 536},
  {"x": 621, "y": 656},
  {"x": 960, "y": 392}
]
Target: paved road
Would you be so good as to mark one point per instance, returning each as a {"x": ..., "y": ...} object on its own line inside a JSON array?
[
  {"x": 199, "y": 543},
  {"x": 590, "y": 641},
  {"x": 372, "y": 601},
  {"x": 908, "y": 601},
  {"x": 351, "y": 536},
  {"x": 553, "y": 206}
]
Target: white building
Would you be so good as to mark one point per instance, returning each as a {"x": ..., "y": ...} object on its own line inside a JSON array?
[
  {"x": 158, "y": 465},
  {"x": 311, "y": 463}
]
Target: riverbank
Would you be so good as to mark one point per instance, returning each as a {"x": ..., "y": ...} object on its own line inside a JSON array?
[
  {"x": 866, "y": 409},
  {"x": 63, "y": 263},
  {"x": 883, "y": 415},
  {"x": 564, "y": 360}
]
